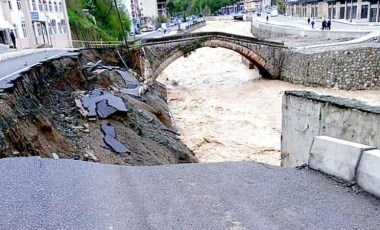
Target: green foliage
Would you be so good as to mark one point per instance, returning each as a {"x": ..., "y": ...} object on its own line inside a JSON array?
[
  {"x": 187, "y": 7},
  {"x": 102, "y": 24},
  {"x": 160, "y": 19}
]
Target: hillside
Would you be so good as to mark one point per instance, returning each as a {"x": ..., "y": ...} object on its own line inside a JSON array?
[{"x": 100, "y": 23}]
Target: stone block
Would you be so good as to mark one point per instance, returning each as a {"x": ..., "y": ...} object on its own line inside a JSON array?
[
  {"x": 368, "y": 175},
  {"x": 336, "y": 157}
]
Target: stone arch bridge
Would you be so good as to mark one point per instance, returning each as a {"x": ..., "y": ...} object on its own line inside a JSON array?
[
  {"x": 344, "y": 67},
  {"x": 161, "y": 52}
]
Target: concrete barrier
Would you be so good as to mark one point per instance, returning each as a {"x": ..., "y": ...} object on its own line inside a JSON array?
[
  {"x": 336, "y": 157},
  {"x": 368, "y": 175}
]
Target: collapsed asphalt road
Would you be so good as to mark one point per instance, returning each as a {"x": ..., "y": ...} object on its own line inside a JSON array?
[{"x": 65, "y": 194}]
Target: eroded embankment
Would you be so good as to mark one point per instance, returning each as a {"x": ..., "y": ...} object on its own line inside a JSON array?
[{"x": 77, "y": 107}]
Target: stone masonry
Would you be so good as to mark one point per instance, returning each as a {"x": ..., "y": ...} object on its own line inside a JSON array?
[{"x": 348, "y": 67}]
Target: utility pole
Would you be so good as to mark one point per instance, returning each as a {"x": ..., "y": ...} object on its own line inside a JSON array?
[{"x": 121, "y": 24}]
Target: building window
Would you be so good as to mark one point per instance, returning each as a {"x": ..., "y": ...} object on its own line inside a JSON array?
[
  {"x": 23, "y": 26},
  {"x": 50, "y": 6},
  {"x": 39, "y": 31},
  {"x": 59, "y": 28},
  {"x": 18, "y": 4},
  {"x": 348, "y": 12},
  {"x": 10, "y": 5},
  {"x": 60, "y": 7},
  {"x": 45, "y": 6},
  {"x": 55, "y": 6},
  {"x": 364, "y": 11},
  {"x": 15, "y": 30},
  {"x": 54, "y": 25},
  {"x": 40, "y": 5},
  {"x": 341, "y": 14},
  {"x": 354, "y": 11},
  {"x": 34, "y": 5},
  {"x": 50, "y": 29},
  {"x": 63, "y": 23}
]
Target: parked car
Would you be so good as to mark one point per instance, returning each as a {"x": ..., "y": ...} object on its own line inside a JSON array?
[{"x": 239, "y": 17}]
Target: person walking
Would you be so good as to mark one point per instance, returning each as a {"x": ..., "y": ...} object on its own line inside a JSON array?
[
  {"x": 13, "y": 38},
  {"x": 267, "y": 17},
  {"x": 328, "y": 24},
  {"x": 308, "y": 21},
  {"x": 324, "y": 24},
  {"x": 312, "y": 24}
]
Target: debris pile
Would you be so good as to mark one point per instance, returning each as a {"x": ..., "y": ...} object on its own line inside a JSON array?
[{"x": 97, "y": 111}]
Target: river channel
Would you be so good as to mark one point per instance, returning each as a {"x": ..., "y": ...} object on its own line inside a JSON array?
[{"x": 227, "y": 112}]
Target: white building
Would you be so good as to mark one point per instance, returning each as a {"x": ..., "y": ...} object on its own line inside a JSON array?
[
  {"x": 266, "y": 3},
  {"x": 5, "y": 28},
  {"x": 148, "y": 8},
  {"x": 38, "y": 22},
  {"x": 128, "y": 7}
]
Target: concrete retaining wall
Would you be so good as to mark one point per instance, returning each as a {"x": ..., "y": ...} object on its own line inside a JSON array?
[
  {"x": 306, "y": 115},
  {"x": 266, "y": 31}
]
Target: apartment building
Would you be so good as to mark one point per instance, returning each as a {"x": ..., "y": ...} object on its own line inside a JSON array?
[
  {"x": 5, "y": 28},
  {"x": 38, "y": 23},
  {"x": 251, "y": 6},
  {"x": 350, "y": 10},
  {"x": 161, "y": 7},
  {"x": 148, "y": 8}
]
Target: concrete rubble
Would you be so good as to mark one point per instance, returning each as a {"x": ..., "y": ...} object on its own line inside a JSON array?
[{"x": 84, "y": 109}]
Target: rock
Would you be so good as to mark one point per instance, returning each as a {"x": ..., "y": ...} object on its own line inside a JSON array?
[
  {"x": 86, "y": 131},
  {"x": 15, "y": 153},
  {"x": 86, "y": 125},
  {"x": 69, "y": 120},
  {"x": 55, "y": 156},
  {"x": 86, "y": 157},
  {"x": 91, "y": 155}
]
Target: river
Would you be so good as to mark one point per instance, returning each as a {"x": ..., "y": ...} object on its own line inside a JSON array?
[{"x": 227, "y": 112}]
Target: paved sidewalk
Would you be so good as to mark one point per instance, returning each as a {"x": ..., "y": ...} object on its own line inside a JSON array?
[
  {"x": 296, "y": 22},
  {"x": 11, "y": 54}
]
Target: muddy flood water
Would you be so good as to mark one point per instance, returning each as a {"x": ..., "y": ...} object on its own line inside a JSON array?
[{"x": 227, "y": 112}]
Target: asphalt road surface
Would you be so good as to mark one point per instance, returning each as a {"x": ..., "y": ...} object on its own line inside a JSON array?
[
  {"x": 10, "y": 69},
  {"x": 62, "y": 194},
  {"x": 13, "y": 65}
]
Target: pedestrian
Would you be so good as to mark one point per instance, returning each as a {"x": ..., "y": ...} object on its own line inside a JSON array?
[
  {"x": 324, "y": 24},
  {"x": 312, "y": 24},
  {"x": 308, "y": 21},
  {"x": 13, "y": 38},
  {"x": 267, "y": 17},
  {"x": 329, "y": 24}
]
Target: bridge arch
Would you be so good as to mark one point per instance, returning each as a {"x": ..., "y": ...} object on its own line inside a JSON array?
[{"x": 249, "y": 54}]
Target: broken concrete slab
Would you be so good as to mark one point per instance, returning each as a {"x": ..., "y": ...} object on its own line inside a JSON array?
[
  {"x": 110, "y": 139},
  {"x": 134, "y": 92},
  {"x": 108, "y": 129},
  {"x": 103, "y": 104},
  {"x": 104, "y": 110},
  {"x": 127, "y": 76},
  {"x": 336, "y": 157}
]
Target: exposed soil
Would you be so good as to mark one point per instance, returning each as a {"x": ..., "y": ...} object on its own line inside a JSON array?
[{"x": 44, "y": 115}]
